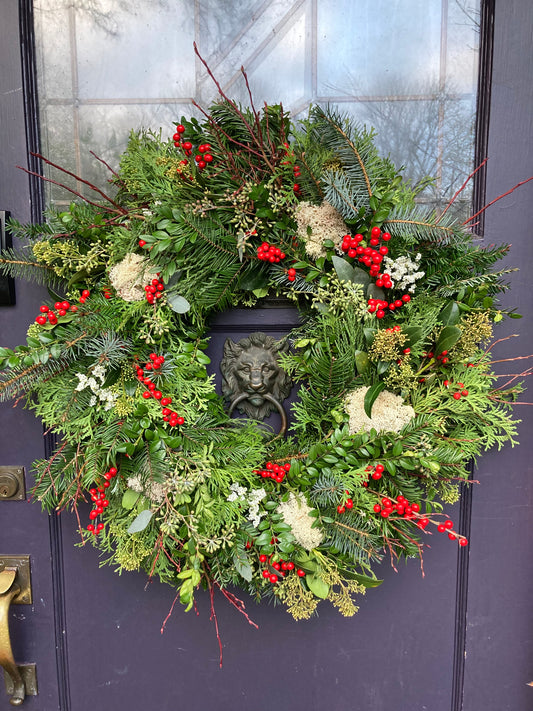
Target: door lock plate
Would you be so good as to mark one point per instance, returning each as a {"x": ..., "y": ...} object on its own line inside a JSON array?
[
  {"x": 12, "y": 483},
  {"x": 23, "y": 577}
]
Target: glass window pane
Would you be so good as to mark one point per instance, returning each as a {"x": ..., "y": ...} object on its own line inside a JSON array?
[{"x": 408, "y": 67}]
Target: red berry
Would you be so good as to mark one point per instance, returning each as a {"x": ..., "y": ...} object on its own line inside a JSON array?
[
  {"x": 377, "y": 508},
  {"x": 263, "y": 558},
  {"x": 273, "y": 578},
  {"x": 301, "y": 573},
  {"x": 147, "y": 394},
  {"x": 265, "y": 573},
  {"x": 457, "y": 396},
  {"x": 340, "y": 509},
  {"x": 385, "y": 236},
  {"x": 180, "y": 128},
  {"x": 463, "y": 541},
  {"x": 41, "y": 320}
]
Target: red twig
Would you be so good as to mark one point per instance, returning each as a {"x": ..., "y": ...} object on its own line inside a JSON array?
[
  {"x": 61, "y": 185},
  {"x": 81, "y": 180},
  {"x": 167, "y": 618},
  {"x": 463, "y": 186},
  {"x": 215, "y": 620},
  {"x": 523, "y": 182}
]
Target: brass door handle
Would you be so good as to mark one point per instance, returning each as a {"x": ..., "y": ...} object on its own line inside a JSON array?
[{"x": 14, "y": 582}]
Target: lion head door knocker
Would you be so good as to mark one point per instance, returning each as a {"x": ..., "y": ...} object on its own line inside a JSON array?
[{"x": 252, "y": 379}]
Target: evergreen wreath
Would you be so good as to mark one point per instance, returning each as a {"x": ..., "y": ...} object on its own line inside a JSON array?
[{"x": 396, "y": 391}]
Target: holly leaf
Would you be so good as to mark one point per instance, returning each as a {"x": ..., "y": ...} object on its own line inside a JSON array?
[
  {"x": 371, "y": 396},
  {"x": 140, "y": 522}
]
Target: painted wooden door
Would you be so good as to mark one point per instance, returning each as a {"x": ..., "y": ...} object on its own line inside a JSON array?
[{"x": 457, "y": 638}]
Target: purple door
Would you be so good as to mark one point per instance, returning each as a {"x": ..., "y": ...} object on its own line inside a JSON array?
[{"x": 458, "y": 638}]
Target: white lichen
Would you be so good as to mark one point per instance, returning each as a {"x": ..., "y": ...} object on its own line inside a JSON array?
[
  {"x": 130, "y": 276},
  {"x": 389, "y": 413},
  {"x": 318, "y": 223},
  {"x": 295, "y": 512},
  {"x": 153, "y": 490}
]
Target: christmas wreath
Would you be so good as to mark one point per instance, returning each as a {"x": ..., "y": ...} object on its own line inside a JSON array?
[{"x": 396, "y": 394}]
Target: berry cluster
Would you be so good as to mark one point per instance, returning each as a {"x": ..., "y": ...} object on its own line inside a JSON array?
[
  {"x": 51, "y": 315},
  {"x": 445, "y": 527},
  {"x": 347, "y": 504},
  {"x": 154, "y": 290},
  {"x": 402, "y": 507},
  {"x": 143, "y": 375},
  {"x": 270, "y": 253},
  {"x": 378, "y": 306},
  {"x": 291, "y": 274},
  {"x": 202, "y": 158},
  {"x": 369, "y": 256},
  {"x": 100, "y": 501},
  {"x": 458, "y": 394},
  {"x": 296, "y": 186},
  {"x": 274, "y": 471},
  {"x": 282, "y": 567}
]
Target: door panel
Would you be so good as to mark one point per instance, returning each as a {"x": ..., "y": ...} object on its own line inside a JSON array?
[{"x": 23, "y": 530}]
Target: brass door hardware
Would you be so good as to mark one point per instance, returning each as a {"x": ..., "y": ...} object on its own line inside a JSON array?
[
  {"x": 15, "y": 587},
  {"x": 12, "y": 484}
]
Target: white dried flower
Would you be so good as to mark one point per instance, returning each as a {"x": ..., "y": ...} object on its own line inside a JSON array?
[
  {"x": 389, "y": 414},
  {"x": 130, "y": 276},
  {"x": 295, "y": 512},
  {"x": 403, "y": 272},
  {"x": 325, "y": 223},
  {"x": 251, "y": 499}
]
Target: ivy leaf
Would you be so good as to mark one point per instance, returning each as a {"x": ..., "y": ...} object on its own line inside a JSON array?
[
  {"x": 317, "y": 586},
  {"x": 371, "y": 395},
  {"x": 448, "y": 338},
  {"x": 178, "y": 303},
  {"x": 140, "y": 522}
]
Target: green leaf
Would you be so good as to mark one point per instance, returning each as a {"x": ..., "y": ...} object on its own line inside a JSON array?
[
  {"x": 317, "y": 586},
  {"x": 242, "y": 565},
  {"x": 362, "y": 361},
  {"x": 129, "y": 499},
  {"x": 369, "y": 334},
  {"x": 374, "y": 292},
  {"x": 344, "y": 270},
  {"x": 254, "y": 280},
  {"x": 371, "y": 395},
  {"x": 178, "y": 303},
  {"x": 448, "y": 338},
  {"x": 450, "y": 314},
  {"x": 140, "y": 522},
  {"x": 413, "y": 333}
]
